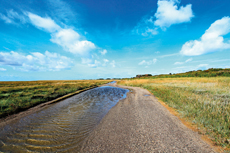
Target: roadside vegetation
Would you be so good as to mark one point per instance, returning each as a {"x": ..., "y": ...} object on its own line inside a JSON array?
[
  {"x": 212, "y": 72},
  {"x": 204, "y": 101},
  {"x": 18, "y": 96}
]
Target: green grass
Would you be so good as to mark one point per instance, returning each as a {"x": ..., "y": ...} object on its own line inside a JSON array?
[
  {"x": 212, "y": 72},
  {"x": 203, "y": 101},
  {"x": 18, "y": 96}
]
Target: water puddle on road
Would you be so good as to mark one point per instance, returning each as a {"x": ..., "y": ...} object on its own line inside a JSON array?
[
  {"x": 63, "y": 126},
  {"x": 112, "y": 82}
]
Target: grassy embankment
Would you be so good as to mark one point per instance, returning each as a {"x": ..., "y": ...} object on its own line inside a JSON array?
[
  {"x": 202, "y": 101},
  {"x": 212, "y": 72},
  {"x": 18, "y": 96}
]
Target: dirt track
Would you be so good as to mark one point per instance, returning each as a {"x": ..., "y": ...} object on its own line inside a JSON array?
[{"x": 140, "y": 123}]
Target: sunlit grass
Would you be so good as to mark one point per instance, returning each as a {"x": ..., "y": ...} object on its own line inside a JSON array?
[
  {"x": 17, "y": 96},
  {"x": 203, "y": 101}
]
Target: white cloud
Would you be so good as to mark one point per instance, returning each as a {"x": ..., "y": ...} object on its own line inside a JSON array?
[
  {"x": 202, "y": 67},
  {"x": 103, "y": 52},
  {"x": 35, "y": 61},
  {"x": 180, "y": 63},
  {"x": 95, "y": 64},
  {"x": 65, "y": 36},
  {"x": 2, "y": 69},
  {"x": 168, "y": 55},
  {"x": 113, "y": 63},
  {"x": 90, "y": 62},
  {"x": 69, "y": 39},
  {"x": 105, "y": 60},
  {"x": 12, "y": 58},
  {"x": 43, "y": 23},
  {"x": 142, "y": 62},
  {"x": 13, "y": 17},
  {"x": 168, "y": 13},
  {"x": 182, "y": 69},
  {"x": 149, "y": 31},
  {"x": 58, "y": 6},
  {"x": 145, "y": 28},
  {"x": 212, "y": 40},
  {"x": 148, "y": 62},
  {"x": 154, "y": 60},
  {"x": 188, "y": 60},
  {"x": 5, "y": 18}
]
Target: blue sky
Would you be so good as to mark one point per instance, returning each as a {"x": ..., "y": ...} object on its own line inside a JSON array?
[{"x": 88, "y": 39}]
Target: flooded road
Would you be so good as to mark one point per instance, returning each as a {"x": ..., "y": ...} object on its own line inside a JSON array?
[{"x": 63, "y": 126}]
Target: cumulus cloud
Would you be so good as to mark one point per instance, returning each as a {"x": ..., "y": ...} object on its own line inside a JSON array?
[
  {"x": 148, "y": 62},
  {"x": 180, "y": 63},
  {"x": 168, "y": 13},
  {"x": 68, "y": 39},
  {"x": 212, "y": 40},
  {"x": 103, "y": 52},
  {"x": 35, "y": 61}
]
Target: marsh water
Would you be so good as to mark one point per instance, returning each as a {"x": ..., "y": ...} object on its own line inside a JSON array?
[{"x": 61, "y": 127}]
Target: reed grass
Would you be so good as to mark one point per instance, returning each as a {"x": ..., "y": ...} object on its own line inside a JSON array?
[{"x": 203, "y": 101}]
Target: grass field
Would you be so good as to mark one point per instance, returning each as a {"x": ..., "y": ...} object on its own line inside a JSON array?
[
  {"x": 212, "y": 72},
  {"x": 200, "y": 100},
  {"x": 18, "y": 96}
]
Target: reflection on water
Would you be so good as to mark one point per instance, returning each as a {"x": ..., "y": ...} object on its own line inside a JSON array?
[
  {"x": 63, "y": 126},
  {"x": 112, "y": 82}
]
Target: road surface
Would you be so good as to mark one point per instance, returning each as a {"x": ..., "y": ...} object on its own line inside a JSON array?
[{"x": 140, "y": 123}]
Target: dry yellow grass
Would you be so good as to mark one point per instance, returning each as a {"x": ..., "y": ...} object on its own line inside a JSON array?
[{"x": 202, "y": 101}]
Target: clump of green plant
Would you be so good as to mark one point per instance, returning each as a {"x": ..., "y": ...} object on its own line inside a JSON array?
[
  {"x": 203, "y": 101},
  {"x": 18, "y": 96}
]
